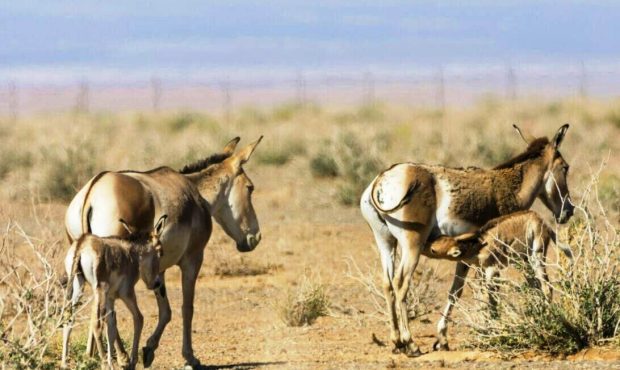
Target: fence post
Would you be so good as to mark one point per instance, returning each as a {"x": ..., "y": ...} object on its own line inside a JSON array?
[
  {"x": 441, "y": 90},
  {"x": 583, "y": 81},
  {"x": 156, "y": 93},
  {"x": 82, "y": 98},
  {"x": 511, "y": 83},
  {"x": 369, "y": 89},
  {"x": 300, "y": 89},
  {"x": 226, "y": 100},
  {"x": 13, "y": 101}
]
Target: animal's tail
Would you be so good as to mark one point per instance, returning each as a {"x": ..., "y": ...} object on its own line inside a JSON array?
[
  {"x": 75, "y": 266},
  {"x": 86, "y": 209},
  {"x": 563, "y": 246},
  {"x": 405, "y": 199}
]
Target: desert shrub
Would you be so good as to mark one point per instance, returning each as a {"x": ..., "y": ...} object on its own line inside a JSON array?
[
  {"x": 357, "y": 167},
  {"x": 351, "y": 161},
  {"x": 182, "y": 121},
  {"x": 305, "y": 304},
  {"x": 11, "y": 159},
  {"x": 280, "y": 154},
  {"x": 585, "y": 310},
  {"x": 364, "y": 113},
  {"x": 66, "y": 169},
  {"x": 323, "y": 164}
]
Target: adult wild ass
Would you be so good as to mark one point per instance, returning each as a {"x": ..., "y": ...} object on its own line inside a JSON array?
[
  {"x": 216, "y": 186},
  {"x": 410, "y": 203},
  {"x": 522, "y": 235},
  {"x": 112, "y": 267}
]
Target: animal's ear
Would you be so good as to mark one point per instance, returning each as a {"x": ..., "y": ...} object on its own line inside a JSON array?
[
  {"x": 559, "y": 136},
  {"x": 244, "y": 154},
  {"x": 126, "y": 226},
  {"x": 161, "y": 223},
  {"x": 454, "y": 252},
  {"x": 230, "y": 147},
  {"x": 466, "y": 237},
  {"x": 525, "y": 136}
]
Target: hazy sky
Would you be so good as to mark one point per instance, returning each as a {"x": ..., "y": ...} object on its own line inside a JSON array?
[{"x": 158, "y": 35}]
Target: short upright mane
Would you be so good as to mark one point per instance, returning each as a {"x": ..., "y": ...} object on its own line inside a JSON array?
[
  {"x": 204, "y": 163},
  {"x": 534, "y": 150}
]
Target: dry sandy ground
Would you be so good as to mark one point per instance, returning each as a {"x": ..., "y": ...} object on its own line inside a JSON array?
[{"x": 237, "y": 319}]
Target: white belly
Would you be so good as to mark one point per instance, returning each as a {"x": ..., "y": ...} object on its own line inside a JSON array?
[{"x": 447, "y": 223}]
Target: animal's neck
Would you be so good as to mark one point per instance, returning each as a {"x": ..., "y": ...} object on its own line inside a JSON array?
[
  {"x": 518, "y": 186},
  {"x": 212, "y": 187},
  {"x": 533, "y": 173}
]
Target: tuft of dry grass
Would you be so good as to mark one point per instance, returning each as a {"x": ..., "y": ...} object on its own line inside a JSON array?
[
  {"x": 32, "y": 304},
  {"x": 243, "y": 267},
  {"x": 421, "y": 298},
  {"x": 305, "y": 304}
]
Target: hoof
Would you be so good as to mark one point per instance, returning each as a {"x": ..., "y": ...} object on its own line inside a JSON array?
[
  {"x": 148, "y": 355},
  {"x": 191, "y": 363},
  {"x": 413, "y": 352},
  {"x": 437, "y": 346}
]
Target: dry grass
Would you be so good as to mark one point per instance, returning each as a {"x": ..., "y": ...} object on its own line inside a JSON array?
[{"x": 305, "y": 304}]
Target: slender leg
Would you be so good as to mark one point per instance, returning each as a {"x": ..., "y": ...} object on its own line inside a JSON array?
[
  {"x": 78, "y": 284},
  {"x": 490, "y": 275},
  {"x": 138, "y": 322},
  {"x": 411, "y": 247},
  {"x": 386, "y": 244},
  {"x": 97, "y": 324},
  {"x": 537, "y": 256},
  {"x": 164, "y": 317},
  {"x": 456, "y": 290},
  {"x": 110, "y": 319},
  {"x": 190, "y": 267}
]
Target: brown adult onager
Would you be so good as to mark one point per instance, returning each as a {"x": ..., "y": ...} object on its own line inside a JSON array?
[
  {"x": 215, "y": 186},
  {"x": 409, "y": 203}
]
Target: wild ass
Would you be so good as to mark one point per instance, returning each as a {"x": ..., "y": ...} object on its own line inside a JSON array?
[
  {"x": 216, "y": 186},
  {"x": 409, "y": 202},
  {"x": 112, "y": 267},
  {"x": 522, "y": 235}
]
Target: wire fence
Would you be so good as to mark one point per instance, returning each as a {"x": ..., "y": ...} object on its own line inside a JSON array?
[{"x": 438, "y": 88}]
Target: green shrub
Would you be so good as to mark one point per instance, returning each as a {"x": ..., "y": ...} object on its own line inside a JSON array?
[
  {"x": 323, "y": 165},
  {"x": 280, "y": 155},
  {"x": 357, "y": 168},
  {"x": 12, "y": 159},
  {"x": 66, "y": 169}
]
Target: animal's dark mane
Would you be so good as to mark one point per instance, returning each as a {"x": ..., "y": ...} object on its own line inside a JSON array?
[
  {"x": 534, "y": 150},
  {"x": 204, "y": 163}
]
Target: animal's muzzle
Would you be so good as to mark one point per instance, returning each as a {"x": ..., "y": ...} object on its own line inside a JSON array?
[
  {"x": 250, "y": 242},
  {"x": 567, "y": 213},
  {"x": 156, "y": 283}
]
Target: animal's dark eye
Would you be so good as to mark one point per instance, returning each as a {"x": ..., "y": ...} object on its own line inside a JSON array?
[{"x": 565, "y": 168}]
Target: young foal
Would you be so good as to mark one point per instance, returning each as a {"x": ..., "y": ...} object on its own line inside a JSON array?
[
  {"x": 112, "y": 267},
  {"x": 522, "y": 235}
]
